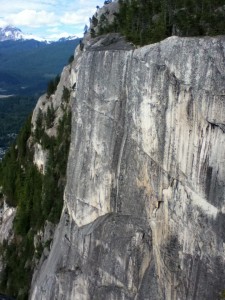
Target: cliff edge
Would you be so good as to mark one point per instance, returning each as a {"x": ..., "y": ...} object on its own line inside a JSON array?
[{"x": 144, "y": 204}]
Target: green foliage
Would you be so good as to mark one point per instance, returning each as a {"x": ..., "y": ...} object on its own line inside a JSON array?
[
  {"x": 103, "y": 24},
  {"x": 50, "y": 116},
  {"x": 46, "y": 196},
  {"x": 29, "y": 202},
  {"x": 52, "y": 85},
  {"x": 93, "y": 33},
  {"x": 71, "y": 58},
  {"x": 149, "y": 21},
  {"x": 13, "y": 113},
  {"x": 18, "y": 267},
  {"x": 55, "y": 176},
  {"x": 43, "y": 61},
  {"x": 38, "y": 197},
  {"x": 39, "y": 129},
  {"x": 66, "y": 94},
  {"x": 222, "y": 295},
  {"x": 94, "y": 21},
  {"x": 21, "y": 184},
  {"x": 9, "y": 169},
  {"x": 53, "y": 181},
  {"x": 81, "y": 45}
]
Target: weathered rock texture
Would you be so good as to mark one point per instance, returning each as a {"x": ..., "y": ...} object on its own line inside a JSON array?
[
  {"x": 7, "y": 215},
  {"x": 144, "y": 212}
]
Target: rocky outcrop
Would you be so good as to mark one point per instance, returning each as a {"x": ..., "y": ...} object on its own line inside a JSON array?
[
  {"x": 7, "y": 215},
  {"x": 144, "y": 205},
  {"x": 58, "y": 105}
]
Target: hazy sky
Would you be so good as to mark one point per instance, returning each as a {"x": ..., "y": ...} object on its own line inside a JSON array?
[{"x": 50, "y": 19}]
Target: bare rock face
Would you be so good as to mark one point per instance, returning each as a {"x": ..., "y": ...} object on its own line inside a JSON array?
[
  {"x": 7, "y": 215},
  {"x": 144, "y": 209}
]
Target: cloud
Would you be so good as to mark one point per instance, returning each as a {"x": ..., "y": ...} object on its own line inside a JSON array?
[
  {"x": 79, "y": 17},
  {"x": 3, "y": 23},
  {"x": 58, "y": 35},
  {"x": 39, "y": 16},
  {"x": 32, "y": 18},
  {"x": 19, "y": 5},
  {"x": 89, "y": 3},
  {"x": 53, "y": 29}
]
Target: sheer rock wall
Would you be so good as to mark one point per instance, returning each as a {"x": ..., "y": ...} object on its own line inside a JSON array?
[{"x": 144, "y": 207}]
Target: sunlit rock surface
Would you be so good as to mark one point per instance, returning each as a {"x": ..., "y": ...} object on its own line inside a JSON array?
[
  {"x": 144, "y": 207},
  {"x": 7, "y": 215}
]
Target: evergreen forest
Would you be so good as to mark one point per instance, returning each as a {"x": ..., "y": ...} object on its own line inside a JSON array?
[
  {"x": 37, "y": 195},
  {"x": 149, "y": 21},
  {"x": 13, "y": 113}
]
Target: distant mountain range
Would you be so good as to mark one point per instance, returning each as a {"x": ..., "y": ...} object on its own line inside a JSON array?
[
  {"x": 27, "y": 63},
  {"x": 10, "y": 33}
]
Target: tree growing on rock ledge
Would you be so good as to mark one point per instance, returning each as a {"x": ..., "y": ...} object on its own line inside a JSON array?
[
  {"x": 148, "y": 21},
  {"x": 52, "y": 85}
]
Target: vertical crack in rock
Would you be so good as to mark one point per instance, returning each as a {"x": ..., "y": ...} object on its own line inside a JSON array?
[
  {"x": 119, "y": 164},
  {"x": 147, "y": 136}
]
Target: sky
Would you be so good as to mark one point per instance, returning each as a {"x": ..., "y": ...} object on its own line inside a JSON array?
[{"x": 50, "y": 19}]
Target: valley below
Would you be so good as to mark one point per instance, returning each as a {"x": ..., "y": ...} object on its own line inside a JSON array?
[
  {"x": 114, "y": 187},
  {"x": 26, "y": 67}
]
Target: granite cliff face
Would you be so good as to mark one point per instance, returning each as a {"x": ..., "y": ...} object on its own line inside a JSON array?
[{"x": 144, "y": 205}]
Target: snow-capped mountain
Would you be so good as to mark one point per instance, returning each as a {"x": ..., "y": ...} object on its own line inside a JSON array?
[
  {"x": 69, "y": 38},
  {"x": 14, "y": 33}
]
